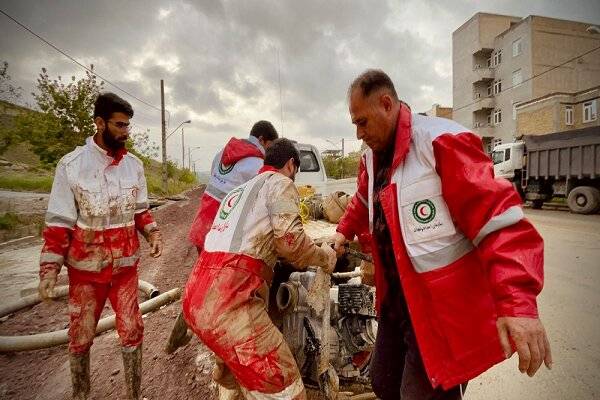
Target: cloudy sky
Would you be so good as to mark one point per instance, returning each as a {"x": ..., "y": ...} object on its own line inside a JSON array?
[{"x": 219, "y": 59}]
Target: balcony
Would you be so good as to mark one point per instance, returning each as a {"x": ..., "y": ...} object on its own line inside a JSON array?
[
  {"x": 484, "y": 104},
  {"x": 483, "y": 74},
  {"x": 483, "y": 130}
]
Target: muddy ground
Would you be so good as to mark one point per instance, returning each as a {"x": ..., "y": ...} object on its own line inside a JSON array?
[{"x": 44, "y": 374}]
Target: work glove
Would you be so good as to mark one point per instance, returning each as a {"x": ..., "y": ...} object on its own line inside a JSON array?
[
  {"x": 331, "y": 257},
  {"x": 46, "y": 285},
  {"x": 156, "y": 243}
]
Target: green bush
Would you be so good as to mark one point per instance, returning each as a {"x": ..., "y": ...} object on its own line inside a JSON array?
[
  {"x": 9, "y": 221},
  {"x": 187, "y": 176}
]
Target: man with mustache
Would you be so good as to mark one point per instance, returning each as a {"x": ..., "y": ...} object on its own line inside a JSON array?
[
  {"x": 457, "y": 265},
  {"x": 97, "y": 206}
]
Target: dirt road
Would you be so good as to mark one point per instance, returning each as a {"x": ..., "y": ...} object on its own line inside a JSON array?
[{"x": 570, "y": 307}]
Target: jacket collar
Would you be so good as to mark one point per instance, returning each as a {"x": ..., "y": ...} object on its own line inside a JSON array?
[
  {"x": 403, "y": 135},
  {"x": 112, "y": 157},
  {"x": 256, "y": 142}
]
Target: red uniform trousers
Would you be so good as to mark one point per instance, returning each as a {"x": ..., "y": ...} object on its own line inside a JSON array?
[{"x": 87, "y": 295}]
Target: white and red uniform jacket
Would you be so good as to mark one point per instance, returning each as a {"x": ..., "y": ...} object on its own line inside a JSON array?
[
  {"x": 97, "y": 204},
  {"x": 225, "y": 298},
  {"x": 238, "y": 162},
  {"x": 464, "y": 252}
]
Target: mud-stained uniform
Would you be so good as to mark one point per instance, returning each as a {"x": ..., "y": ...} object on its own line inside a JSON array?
[
  {"x": 97, "y": 205},
  {"x": 238, "y": 162},
  {"x": 225, "y": 299}
]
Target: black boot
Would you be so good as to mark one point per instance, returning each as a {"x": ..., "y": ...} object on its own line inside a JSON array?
[
  {"x": 80, "y": 375},
  {"x": 132, "y": 365},
  {"x": 180, "y": 335}
]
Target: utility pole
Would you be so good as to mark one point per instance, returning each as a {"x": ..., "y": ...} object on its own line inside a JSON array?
[
  {"x": 164, "y": 135},
  {"x": 342, "y": 169},
  {"x": 182, "y": 150}
]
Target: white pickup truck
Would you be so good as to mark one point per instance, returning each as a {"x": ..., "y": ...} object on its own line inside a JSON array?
[{"x": 312, "y": 172}]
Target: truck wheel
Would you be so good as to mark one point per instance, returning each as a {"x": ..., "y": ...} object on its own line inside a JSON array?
[
  {"x": 584, "y": 200},
  {"x": 537, "y": 204}
]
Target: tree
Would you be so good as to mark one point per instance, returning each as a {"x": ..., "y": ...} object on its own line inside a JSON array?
[
  {"x": 139, "y": 143},
  {"x": 348, "y": 165},
  {"x": 65, "y": 118},
  {"x": 8, "y": 92}
]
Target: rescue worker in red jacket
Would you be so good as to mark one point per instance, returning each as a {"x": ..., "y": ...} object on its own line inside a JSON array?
[
  {"x": 238, "y": 162},
  {"x": 97, "y": 206},
  {"x": 457, "y": 266},
  {"x": 225, "y": 298}
]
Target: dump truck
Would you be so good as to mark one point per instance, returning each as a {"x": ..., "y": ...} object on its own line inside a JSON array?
[{"x": 561, "y": 164}]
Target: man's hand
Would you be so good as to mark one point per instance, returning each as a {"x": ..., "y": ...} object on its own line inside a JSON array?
[
  {"x": 332, "y": 257},
  {"x": 156, "y": 244},
  {"x": 530, "y": 341},
  {"x": 338, "y": 243},
  {"x": 46, "y": 285}
]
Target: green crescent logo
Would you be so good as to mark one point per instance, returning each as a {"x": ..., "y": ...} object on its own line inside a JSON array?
[
  {"x": 423, "y": 211},
  {"x": 225, "y": 169},
  {"x": 230, "y": 201}
]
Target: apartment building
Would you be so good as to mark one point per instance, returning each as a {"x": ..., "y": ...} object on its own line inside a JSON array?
[
  {"x": 439, "y": 111},
  {"x": 500, "y": 62},
  {"x": 558, "y": 112}
]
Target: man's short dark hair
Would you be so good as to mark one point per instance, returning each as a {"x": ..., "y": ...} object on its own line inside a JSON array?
[
  {"x": 280, "y": 151},
  {"x": 372, "y": 80},
  {"x": 264, "y": 129},
  {"x": 108, "y": 103}
]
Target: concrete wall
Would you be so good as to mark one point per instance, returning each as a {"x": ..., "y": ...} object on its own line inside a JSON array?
[{"x": 556, "y": 41}]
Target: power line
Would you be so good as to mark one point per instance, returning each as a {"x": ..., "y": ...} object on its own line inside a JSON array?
[
  {"x": 533, "y": 77},
  {"x": 77, "y": 62}
]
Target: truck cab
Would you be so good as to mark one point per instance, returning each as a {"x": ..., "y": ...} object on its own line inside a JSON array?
[
  {"x": 312, "y": 172},
  {"x": 507, "y": 159}
]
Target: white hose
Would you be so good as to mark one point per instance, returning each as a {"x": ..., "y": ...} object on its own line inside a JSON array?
[
  {"x": 49, "y": 339},
  {"x": 147, "y": 288}
]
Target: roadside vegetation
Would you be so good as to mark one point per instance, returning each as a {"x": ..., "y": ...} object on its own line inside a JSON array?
[{"x": 34, "y": 138}]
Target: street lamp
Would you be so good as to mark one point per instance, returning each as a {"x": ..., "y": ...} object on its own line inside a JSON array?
[{"x": 189, "y": 121}]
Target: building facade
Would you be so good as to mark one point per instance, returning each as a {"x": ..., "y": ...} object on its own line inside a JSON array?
[
  {"x": 500, "y": 62},
  {"x": 439, "y": 111}
]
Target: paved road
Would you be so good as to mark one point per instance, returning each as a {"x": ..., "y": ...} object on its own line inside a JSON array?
[
  {"x": 569, "y": 305},
  {"x": 570, "y": 309}
]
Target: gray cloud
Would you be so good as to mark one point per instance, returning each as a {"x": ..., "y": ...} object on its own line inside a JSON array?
[{"x": 219, "y": 58}]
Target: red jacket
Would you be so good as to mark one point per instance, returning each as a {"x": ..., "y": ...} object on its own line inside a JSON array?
[
  {"x": 464, "y": 253},
  {"x": 237, "y": 163}
]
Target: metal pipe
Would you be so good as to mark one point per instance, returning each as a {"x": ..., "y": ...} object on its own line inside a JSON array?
[{"x": 49, "y": 339}]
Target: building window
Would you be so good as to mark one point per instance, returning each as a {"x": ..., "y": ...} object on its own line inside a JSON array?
[
  {"x": 497, "y": 57},
  {"x": 517, "y": 78},
  {"x": 589, "y": 111},
  {"x": 568, "y": 115},
  {"x": 489, "y": 62},
  {"x": 498, "y": 86},
  {"x": 517, "y": 47},
  {"x": 496, "y": 142},
  {"x": 490, "y": 90},
  {"x": 489, "y": 118},
  {"x": 497, "y": 116},
  {"x": 507, "y": 154}
]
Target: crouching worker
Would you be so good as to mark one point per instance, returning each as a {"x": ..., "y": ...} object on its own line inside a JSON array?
[{"x": 225, "y": 299}]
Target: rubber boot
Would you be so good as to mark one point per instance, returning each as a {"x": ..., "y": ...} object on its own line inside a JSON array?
[
  {"x": 80, "y": 375},
  {"x": 180, "y": 335},
  {"x": 132, "y": 365},
  {"x": 228, "y": 387}
]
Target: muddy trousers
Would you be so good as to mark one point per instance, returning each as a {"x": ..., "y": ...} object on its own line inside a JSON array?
[
  {"x": 226, "y": 308},
  {"x": 86, "y": 301},
  {"x": 397, "y": 370}
]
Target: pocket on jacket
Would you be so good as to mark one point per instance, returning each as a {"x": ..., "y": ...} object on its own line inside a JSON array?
[
  {"x": 463, "y": 305},
  {"x": 424, "y": 213}
]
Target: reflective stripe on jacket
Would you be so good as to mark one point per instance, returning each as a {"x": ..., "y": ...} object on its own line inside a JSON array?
[
  {"x": 96, "y": 206},
  {"x": 464, "y": 252}
]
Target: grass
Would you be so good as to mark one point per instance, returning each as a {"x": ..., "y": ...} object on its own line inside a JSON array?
[
  {"x": 26, "y": 182},
  {"x": 9, "y": 221}
]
